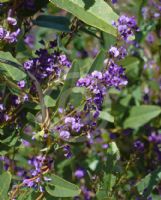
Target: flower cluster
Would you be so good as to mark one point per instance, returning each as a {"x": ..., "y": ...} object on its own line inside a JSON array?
[
  {"x": 138, "y": 145},
  {"x": 41, "y": 166},
  {"x": 155, "y": 138},
  {"x": 126, "y": 27},
  {"x": 97, "y": 82},
  {"x": 152, "y": 10},
  {"x": 10, "y": 35},
  {"x": 47, "y": 64}
]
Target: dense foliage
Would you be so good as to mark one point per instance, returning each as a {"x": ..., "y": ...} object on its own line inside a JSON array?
[{"x": 80, "y": 100}]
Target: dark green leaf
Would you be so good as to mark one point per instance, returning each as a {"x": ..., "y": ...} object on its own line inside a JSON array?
[
  {"x": 72, "y": 76},
  {"x": 58, "y": 23},
  {"x": 131, "y": 64},
  {"x": 149, "y": 182},
  {"x": 108, "y": 40},
  {"x": 98, "y": 62}
]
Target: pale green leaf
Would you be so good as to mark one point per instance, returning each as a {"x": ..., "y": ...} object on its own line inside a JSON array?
[
  {"x": 140, "y": 115},
  {"x": 96, "y": 13},
  {"x": 59, "y": 187},
  {"x": 5, "y": 181}
]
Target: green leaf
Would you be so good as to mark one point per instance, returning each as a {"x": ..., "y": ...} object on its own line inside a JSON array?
[
  {"x": 149, "y": 182},
  {"x": 98, "y": 62},
  {"x": 3, "y": 1},
  {"x": 96, "y": 13},
  {"x": 108, "y": 40},
  {"x": 113, "y": 155},
  {"x": 109, "y": 179},
  {"x": 5, "y": 181},
  {"x": 106, "y": 116},
  {"x": 58, "y": 23},
  {"x": 93, "y": 165},
  {"x": 59, "y": 187},
  {"x": 140, "y": 115},
  {"x": 28, "y": 194},
  {"x": 131, "y": 64},
  {"x": 72, "y": 76},
  {"x": 10, "y": 66},
  {"x": 49, "y": 101}
]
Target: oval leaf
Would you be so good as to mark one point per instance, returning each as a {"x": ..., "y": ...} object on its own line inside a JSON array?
[
  {"x": 5, "y": 181},
  {"x": 96, "y": 13},
  {"x": 10, "y": 67},
  {"x": 59, "y": 187},
  {"x": 140, "y": 115}
]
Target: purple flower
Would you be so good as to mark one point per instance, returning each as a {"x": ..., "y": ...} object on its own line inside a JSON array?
[
  {"x": 28, "y": 182},
  {"x": 21, "y": 84},
  {"x": 156, "y": 138},
  {"x": 67, "y": 151},
  {"x": 29, "y": 41},
  {"x": 122, "y": 53},
  {"x": 105, "y": 146},
  {"x": 65, "y": 135},
  {"x": 79, "y": 173},
  {"x": 69, "y": 120},
  {"x": 25, "y": 143},
  {"x": 12, "y": 21},
  {"x": 6, "y": 117},
  {"x": 28, "y": 64},
  {"x": 3, "y": 33},
  {"x": 114, "y": 1},
  {"x": 139, "y": 145},
  {"x": 145, "y": 12},
  {"x": 77, "y": 126},
  {"x": 114, "y": 52},
  {"x": 126, "y": 27},
  {"x": 84, "y": 82},
  {"x": 97, "y": 74},
  {"x": 2, "y": 107},
  {"x": 60, "y": 110},
  {"x": 150, "y": 38},
  {"x": 97, "y": 82},
  {"x": 156, "y": 15},
  {"x": 47, "y": 64},
  {"x": 12, "y": 37},
  {"x": 64, "y": 61},
  {"x": 25, "y": 97}
]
